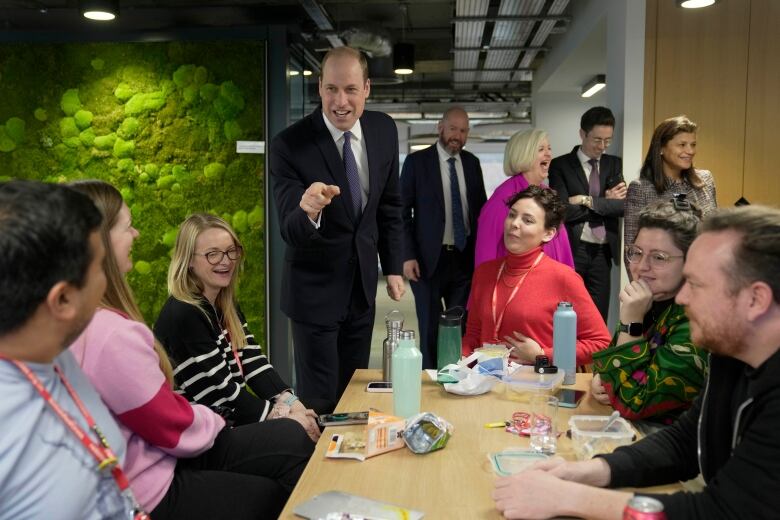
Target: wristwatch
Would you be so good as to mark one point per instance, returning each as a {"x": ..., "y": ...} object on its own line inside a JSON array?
[{"x": 633, "y": 329}]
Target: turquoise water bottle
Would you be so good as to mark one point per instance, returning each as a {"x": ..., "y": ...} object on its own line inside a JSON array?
[
  {"x": 406, "y": 375},
  {"x": 565, "y": 341}
]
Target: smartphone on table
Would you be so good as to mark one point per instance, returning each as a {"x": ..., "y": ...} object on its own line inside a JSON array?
[
  {"x": 379, "y": 386},
  {"x": 343, "y": 419},
  {"x": 570, "y": 398}
]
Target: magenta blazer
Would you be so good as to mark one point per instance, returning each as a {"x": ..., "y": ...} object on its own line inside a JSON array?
[{"x": 490, "y": 227}]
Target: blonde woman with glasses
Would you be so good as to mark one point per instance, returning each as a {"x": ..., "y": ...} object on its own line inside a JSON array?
[
  {"x": 217, "y": 361},
  {"x": 651, "y": 369},
  {"x": 182, "y": 461}
]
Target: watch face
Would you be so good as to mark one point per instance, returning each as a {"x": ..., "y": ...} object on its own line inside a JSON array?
[{"x": 635, "y": 329}]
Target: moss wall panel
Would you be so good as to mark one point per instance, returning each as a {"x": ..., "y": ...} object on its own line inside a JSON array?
[{"x": 157, "y": 120}]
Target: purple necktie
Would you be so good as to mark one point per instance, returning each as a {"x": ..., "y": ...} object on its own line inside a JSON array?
[
  {"x": 594, "y": 188},
  {"x": 351, "y": 169}
]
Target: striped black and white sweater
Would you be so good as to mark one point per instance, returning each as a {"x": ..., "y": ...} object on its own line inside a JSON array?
[{"x": 205, "y": 369}]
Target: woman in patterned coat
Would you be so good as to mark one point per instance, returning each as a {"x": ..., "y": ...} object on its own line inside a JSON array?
[{"x": 651, "y": 369}]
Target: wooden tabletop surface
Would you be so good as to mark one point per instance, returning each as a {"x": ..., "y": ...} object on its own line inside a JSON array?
[{"x": 455, "y": 482}]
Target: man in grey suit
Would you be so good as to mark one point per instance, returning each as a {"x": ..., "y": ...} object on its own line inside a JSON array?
[
  {"x": 590, "y": 183},
  {"x": 443, "y": 192}
]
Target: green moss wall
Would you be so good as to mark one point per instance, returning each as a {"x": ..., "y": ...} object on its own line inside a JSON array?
[{"x": 157, "y": 120}]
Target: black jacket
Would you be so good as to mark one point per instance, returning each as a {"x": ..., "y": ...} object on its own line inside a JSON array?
[
  {"x": 567, "y": 178},
  {"x": 731, "y": 435},
  {"x": 423, "y": 210},
  {"x": 320, "y": 264}
]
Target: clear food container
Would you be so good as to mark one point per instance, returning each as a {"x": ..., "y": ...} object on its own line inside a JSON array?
[{"x": 589, "y": 438}]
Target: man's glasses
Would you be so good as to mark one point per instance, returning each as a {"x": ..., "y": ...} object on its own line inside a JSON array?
[
  {"x": 600, "y": 141},
  {"x": 215, "y": 257},
  {"x": 656, "y": 259}
]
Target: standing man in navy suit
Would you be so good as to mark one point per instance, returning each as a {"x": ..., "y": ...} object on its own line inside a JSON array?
[
  {"x": 590, "y": 183},
  {"x": 335, "y": 180},
  {"x": 443, "y": 193}
]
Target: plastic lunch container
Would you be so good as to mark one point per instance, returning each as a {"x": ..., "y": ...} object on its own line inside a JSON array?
[
  {"x": 589, "y": 438},
  {"x": 523, "y": 382}
]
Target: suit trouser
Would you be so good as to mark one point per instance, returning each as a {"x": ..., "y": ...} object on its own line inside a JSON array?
[
  {"x": 326, "y": 355},
  {"x": 450, "y": 282},
  {"x": 593, "y": 262}
]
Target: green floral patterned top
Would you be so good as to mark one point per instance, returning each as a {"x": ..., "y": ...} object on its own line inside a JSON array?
[{"x": 656, "y": 376}]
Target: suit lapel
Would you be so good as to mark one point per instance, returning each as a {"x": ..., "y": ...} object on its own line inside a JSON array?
[
  {"x": 333, "y": 160},
  {"x": 435, "y": 169},
  {"x": 371, "y": 141},
  {"x": 576, "y": 165}
]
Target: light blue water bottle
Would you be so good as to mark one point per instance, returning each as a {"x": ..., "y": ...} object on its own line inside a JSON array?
[
  {"x": 407, "y": 370},
  {"x": 565, "y": 341}
]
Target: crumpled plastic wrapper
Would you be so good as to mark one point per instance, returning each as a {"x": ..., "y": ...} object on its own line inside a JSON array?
[{"x": 427, "y": 432}]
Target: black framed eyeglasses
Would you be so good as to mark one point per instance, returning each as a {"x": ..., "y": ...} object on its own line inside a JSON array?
[
  {"x": 656, "y": 259},
  {"x": 215, "y": 257}
]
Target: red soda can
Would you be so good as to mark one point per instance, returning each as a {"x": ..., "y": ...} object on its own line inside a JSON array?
[{"x": 644, "y": 508}]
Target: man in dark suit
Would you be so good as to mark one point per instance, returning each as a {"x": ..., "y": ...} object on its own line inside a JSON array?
[
  {"x": 591, "y": 184},
  {"x": 443, "y": 193},
  {"x": 335, "y": 179}
]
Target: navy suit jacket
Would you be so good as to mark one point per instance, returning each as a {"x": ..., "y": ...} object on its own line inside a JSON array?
[
  {"x": 567, "y": 178},
  {"x": 320, "y": 264},
  {"x": 423, "y": 205}
]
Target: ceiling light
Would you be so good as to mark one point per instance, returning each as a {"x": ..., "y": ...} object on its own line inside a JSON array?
[
  {"x": 99, "y": 10},
  {"x": 307, "y": 73},
  {"x": 416, "y": 147},
  {"x": 695, "y": 4},
  {"x": 598, "y": 82},
  {"x": 403, "y": 58},
  {"x": 403, "y": 53},
  {"x": 294, "y": 73}
]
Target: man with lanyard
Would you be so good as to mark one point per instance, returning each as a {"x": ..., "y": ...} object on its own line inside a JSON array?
[{"x": 61, "y": 451}]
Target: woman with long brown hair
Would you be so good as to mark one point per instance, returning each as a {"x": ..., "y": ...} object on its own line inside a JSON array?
[
  {"x": 668, "y": 170},
  {"x": 182, "y": 460}
]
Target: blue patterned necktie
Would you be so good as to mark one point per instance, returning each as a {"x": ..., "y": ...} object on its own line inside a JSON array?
[
  {"x": 594, "y": 188},
  {"x": 458, "y": 227},
  {"x": 351, "y": 169}
]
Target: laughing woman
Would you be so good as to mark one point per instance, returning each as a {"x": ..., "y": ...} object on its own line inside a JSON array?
[
  {"x": 182, "y": 461},
  {"x": 526, "y": 162},
  {"x": 217, "y": 361}
]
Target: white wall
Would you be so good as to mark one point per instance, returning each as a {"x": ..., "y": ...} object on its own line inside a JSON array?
[{"x": 558, "y": 113}]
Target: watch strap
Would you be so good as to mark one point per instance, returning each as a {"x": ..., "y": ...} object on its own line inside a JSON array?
[{"x": 632, "y": 329}]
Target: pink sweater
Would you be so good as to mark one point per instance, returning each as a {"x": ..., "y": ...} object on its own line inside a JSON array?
[
  {"x": 490, "y": 227},
  {"x": 117, "y": 355}
]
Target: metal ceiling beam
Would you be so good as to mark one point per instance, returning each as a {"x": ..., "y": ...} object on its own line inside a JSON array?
[
  {"x": 491, "y": 48},
  {"x": 513, "y": 69},
  {"x": 518, "y": 18}
]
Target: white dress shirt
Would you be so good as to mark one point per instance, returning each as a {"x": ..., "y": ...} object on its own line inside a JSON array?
[
  {"x": 357, "y": 144},
  {"x": 444, "y": 167},
  {"x": 587, "y": 234}
]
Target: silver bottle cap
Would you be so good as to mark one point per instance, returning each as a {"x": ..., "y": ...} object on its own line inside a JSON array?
[{"x": 407, "y": 334}]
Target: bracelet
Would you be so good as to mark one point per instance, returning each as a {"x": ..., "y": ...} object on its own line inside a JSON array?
[{"x": 290, "y": 399}]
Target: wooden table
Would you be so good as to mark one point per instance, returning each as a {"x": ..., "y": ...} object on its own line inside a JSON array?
[{"x": 455, "y": 482}]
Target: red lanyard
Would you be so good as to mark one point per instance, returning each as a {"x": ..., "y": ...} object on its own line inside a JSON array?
[
  {"x": 101, "y": 452},
  {"x": 497, "y": 321}
]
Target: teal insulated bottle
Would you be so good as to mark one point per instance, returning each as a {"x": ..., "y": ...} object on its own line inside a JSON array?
[
  {"x": 406, "y": 376},
  {"x": 565, "y": 341}
]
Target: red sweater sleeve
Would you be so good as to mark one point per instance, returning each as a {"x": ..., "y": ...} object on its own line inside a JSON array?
[{"x": 477, "y": 301}]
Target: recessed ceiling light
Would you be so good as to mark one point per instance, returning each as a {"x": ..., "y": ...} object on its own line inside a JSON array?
[
  {"x": 695, "y": 4},
  {"x": 99, "y": 10}
]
